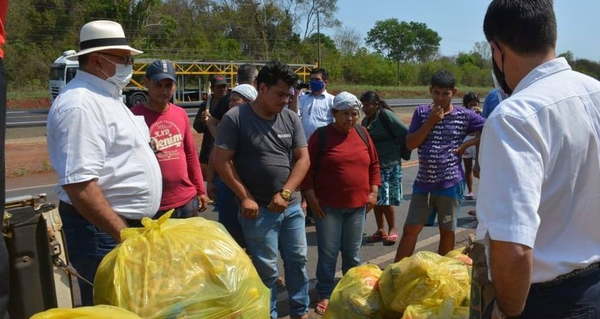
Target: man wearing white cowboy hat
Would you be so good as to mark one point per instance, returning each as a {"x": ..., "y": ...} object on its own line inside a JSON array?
[{"x": 107, "y": 172}]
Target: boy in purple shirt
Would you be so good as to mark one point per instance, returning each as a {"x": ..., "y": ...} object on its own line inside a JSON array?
[{"x": 437, "y": 130}]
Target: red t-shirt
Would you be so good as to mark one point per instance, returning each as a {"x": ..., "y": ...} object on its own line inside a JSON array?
[
  {"x": 174, "y": 147},
  {"x": 3, "y": 11},
  {"x": 346, "y": 169}
]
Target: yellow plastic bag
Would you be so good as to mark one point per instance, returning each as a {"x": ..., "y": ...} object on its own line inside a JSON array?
[
  {"x": 181, "y": 268},
  {"x": 435, "y": 310},
  {"x": 425, "y": 278},
  {"x": 95, "y": 312},
  {"x": 356, "y": 295},
  {"x": 458, "y": 254}
]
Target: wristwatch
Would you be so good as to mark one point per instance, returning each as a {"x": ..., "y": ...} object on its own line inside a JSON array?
[{"x": 286, "y": 194}]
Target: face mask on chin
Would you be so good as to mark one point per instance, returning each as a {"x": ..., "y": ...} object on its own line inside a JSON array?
[
  {"x": 122, "y": 76},
  {"x": 499, "y": 79}
]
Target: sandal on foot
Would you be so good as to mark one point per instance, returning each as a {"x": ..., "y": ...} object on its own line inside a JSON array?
[
  {"x": 321, "y": 307},
  {"x": 390, "y": 240},
  {"x": 376, "y": 237}
]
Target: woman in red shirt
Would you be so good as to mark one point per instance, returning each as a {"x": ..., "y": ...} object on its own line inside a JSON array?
[{"x": 342, "y": 181}]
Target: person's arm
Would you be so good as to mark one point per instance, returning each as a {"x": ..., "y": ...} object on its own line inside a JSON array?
[
  {"x": 223, "y": 160},
  {"x": 211, "y": 125},
  {"x": 472, "y": 142},
  {"x": 308, "y": 186},
  {"x": 89, "y": 201},
  {"x": 511, "y": 266},
  {"x": 200, "y": 118},
  {"x": 224, "y": 153},
  {"x": 299, "y": 170},
  {"x": 418, "y": 136},
  {"x": 510, "y": 191},
  {"x": 77, "y": 143},
  {"x": 300, "y": 166},
  {"x": 374, "y": 175}
]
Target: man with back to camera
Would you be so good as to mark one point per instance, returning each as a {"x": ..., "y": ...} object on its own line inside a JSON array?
[
  {"x": 107, "y": 172},
  {"x": 540, "y": 168}
]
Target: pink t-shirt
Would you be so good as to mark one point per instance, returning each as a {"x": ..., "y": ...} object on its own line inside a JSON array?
[{"x": 173, "y": 144}]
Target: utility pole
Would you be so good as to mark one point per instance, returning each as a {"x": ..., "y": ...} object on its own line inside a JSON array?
[{"x": 318, "y": 39}]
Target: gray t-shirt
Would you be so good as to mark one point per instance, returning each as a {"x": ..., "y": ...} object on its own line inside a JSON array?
[{"x": 263, "y": 149}]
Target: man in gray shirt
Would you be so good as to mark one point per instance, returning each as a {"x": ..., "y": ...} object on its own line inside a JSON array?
[{"x": 262, "y": 156}]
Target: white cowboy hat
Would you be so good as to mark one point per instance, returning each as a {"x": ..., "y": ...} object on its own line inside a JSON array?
[{"x": 102, "y": 35}]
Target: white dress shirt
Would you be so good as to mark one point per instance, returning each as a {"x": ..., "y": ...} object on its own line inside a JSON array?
[
  {"x": 315, "y": 111},
  {"x": 93, "y": 135},
  {"x": 540, "y": 170}
]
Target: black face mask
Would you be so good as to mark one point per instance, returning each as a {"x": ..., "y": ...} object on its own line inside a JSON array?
[{"x": 500, "y": 75}]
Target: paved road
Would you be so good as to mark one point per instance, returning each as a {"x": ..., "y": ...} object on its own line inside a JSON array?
[{"x": 37, "y": 118}]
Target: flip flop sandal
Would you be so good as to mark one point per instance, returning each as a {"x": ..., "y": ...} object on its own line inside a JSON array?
[
  {"x": 376, "y": 237},
  {"x": 390, "y": 240},
  {"x": 321, "y": 307}
]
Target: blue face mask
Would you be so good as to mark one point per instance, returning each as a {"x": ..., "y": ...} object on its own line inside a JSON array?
[{"x": 316, "y": 85}]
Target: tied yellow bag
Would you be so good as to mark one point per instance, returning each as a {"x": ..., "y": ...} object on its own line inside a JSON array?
[
  {"x": 95, "y": 312},
  {"x": 425, "y": 278},
  {"x": 181, "y": 268},
  {"x": 356, "y": 295}
]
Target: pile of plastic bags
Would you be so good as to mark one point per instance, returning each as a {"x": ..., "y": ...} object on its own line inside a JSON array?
[
  {"x": 423, "y": 286},
  {"x": 181, "y": 268}
]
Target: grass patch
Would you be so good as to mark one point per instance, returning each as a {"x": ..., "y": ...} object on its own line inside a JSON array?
[
  {"x": 40, "y": 93},
  {"x": 407, "y": 92}
]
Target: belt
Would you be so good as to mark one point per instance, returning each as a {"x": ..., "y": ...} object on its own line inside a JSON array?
[{"x": 592, "y": 268}]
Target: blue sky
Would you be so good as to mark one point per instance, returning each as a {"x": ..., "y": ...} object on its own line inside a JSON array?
[{"x": 459, "y": 22}]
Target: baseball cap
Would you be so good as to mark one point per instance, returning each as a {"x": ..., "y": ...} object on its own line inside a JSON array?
[
  {"x": 218, "y": 80},
  {"x": 160, "y": 69}
]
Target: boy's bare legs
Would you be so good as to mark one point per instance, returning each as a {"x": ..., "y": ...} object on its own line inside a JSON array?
[
  {"x": 410, "y": 234},
  {"x": 447, "y": 238}
]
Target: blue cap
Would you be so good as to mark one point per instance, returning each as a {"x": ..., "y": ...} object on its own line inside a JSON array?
[{"x": 160, "y": 69}]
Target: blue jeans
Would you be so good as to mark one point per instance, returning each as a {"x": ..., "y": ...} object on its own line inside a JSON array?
[
  {"x": 340, "y": 230},
  {"x": 284, "y": 232},
  {"x": 228, "y": 207},
  {"x": 577, "y": 297},
  {"x": 86, "y": 245}
]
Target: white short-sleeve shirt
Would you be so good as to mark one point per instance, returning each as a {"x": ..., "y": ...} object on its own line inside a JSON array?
[
  {"x": 93, "y": 135},
  {"x": 540, "y": 170},
  {"x": 315, "y": 111}
]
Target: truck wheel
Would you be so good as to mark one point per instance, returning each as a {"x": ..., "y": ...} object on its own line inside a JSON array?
[{"x": 137, "y": 98}]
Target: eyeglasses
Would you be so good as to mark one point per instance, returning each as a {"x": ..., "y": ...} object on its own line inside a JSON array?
[{"x": 123, "y": 59}]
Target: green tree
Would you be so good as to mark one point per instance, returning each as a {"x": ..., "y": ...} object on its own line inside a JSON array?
[{"x": 404, "y": 41}]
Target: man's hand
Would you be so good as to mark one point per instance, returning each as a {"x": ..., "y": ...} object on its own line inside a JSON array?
[
  {"x": 249, "y": 208},
  {"x": 203, "y": 200},
  {"x": 476, "y": 169},
  {"x": 211, "y": 190},
  {"x": 437, "y": 114},
  {"x": 371, "y": 201},
  {"x": 277, "y": 204}
]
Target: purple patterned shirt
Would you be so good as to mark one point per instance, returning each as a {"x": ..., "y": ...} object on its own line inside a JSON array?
[{"x": 439, "y": 166}]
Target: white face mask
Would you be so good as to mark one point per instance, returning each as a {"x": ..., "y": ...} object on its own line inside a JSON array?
[{"x": 122, "y": 75}]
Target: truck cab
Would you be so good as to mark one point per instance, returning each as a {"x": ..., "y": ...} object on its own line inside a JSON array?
[{"x": 62, "y": 71}]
